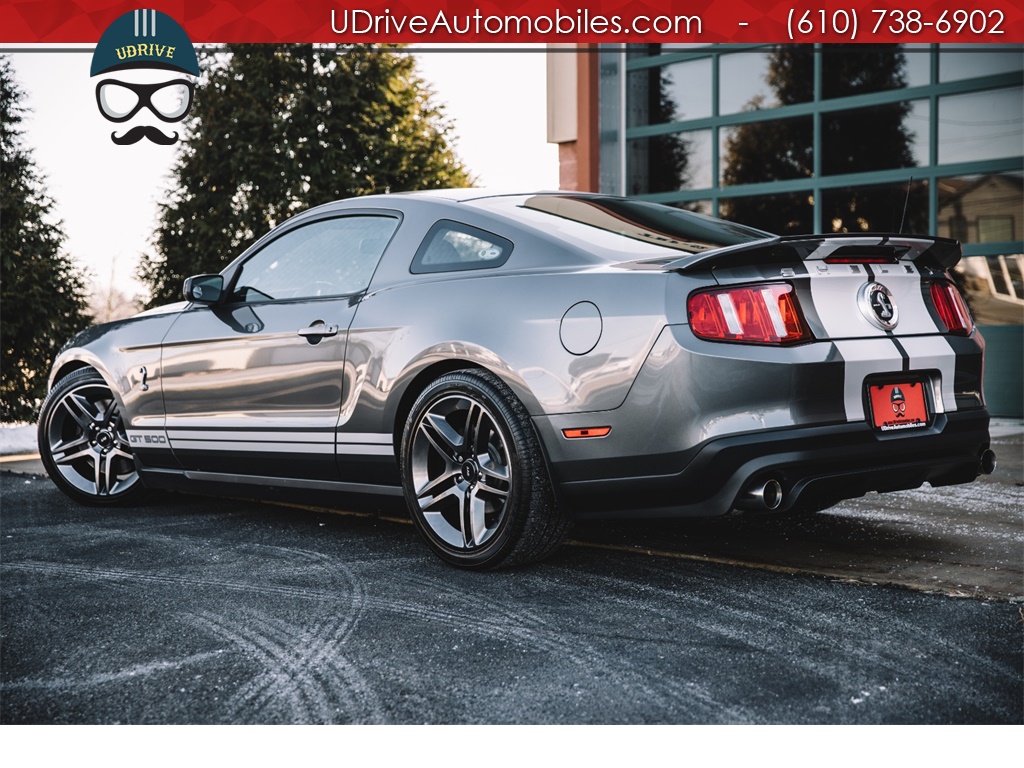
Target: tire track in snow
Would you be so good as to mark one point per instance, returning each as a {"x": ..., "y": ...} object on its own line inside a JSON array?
[{"x": 302, "y": 666}]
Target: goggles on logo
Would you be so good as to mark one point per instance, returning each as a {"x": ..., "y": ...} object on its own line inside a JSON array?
[{"x": 120, "y": 101}]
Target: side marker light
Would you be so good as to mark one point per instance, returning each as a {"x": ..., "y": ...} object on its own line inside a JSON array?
[{"x": 573, "y": 434}]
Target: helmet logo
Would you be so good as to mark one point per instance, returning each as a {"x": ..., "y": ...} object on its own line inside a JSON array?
[
  {"x": 145, "y": 48},
  {"x": 899, "y": 402},
  {"x": 877, "y": 305}
]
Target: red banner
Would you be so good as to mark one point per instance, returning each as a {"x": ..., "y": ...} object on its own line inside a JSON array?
[{"x": 545, "y": 21}]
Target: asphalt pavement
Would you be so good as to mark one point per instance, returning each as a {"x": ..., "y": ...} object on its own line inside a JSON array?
[
  {"x": 204, "y": 610},
  {"x": 961, "y": 541}
]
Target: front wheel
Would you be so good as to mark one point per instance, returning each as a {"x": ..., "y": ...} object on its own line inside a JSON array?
[
  {"x": 474, "y": 475},
  {"x": 83, "y": 443}
]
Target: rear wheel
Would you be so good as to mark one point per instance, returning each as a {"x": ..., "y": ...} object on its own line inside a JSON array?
[
  {"x": 474, "y": 475},
  {"x": 83, "y": 443}
]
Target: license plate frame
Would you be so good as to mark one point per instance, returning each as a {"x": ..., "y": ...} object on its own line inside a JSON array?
[{"x": 898, "y": 405}]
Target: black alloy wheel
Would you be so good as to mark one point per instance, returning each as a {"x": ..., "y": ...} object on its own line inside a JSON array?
[
  {"x": 474, "y": 475},
  {"x": 83, "y": 443}
]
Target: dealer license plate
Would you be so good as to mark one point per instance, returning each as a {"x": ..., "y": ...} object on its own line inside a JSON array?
[{"x": 898, "y": 406}]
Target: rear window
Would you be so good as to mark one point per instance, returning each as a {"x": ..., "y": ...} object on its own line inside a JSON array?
[
  {"x": 450, "y": 246},
  {"x": 651, "y": 223}
]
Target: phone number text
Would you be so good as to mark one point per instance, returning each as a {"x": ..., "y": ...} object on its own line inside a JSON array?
[{"x": 844, "y": 22}]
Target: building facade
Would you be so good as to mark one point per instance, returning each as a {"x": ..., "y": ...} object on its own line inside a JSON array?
[{"x": 924, "y": 139}]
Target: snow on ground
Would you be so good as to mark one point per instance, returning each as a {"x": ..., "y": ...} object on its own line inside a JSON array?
[
  {"x": 17, "y": 438},
  {"x": 999, "y": 428}
]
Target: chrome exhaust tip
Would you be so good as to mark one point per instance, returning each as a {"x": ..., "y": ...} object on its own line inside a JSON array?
[
  {"x": 988, "y": 462},
  {"x": 768, "y": 495}
]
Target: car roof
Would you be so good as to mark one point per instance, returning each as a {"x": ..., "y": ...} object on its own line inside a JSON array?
[{"x": 605, "y": 227}]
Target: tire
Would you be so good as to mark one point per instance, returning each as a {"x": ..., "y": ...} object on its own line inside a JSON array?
[
  {"x": 83, "y": 443},
  {"x": 474, "y": 475}
]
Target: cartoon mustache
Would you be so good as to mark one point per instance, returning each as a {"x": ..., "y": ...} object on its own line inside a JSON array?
[{"x": 141, "y": 132}]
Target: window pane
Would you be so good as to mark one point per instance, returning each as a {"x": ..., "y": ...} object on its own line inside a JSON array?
[
  {"x": 981, "y": 126},
  {"x": 919, "y": 63},
  {"x": 669, "y": 94},
  {"x": 770, "y": 151},
  {"x": 876, "y": 208},
  {"x": 640, "y": 50},
  {"x": 696, "y": 206},
  {"x": 670, "y": 162},
  {"x": 875, "y": 138},
  {"x": 764, "y": 79},
  {"x": 743, "y": 79},
  {"x": 966, "y": 61},
  {"x": 994, "y": 288},
  {"x": 785, "y": 214},
  {"x": 609, "y": 114},
  {"x": 335, "y": 257},
  {"x": 978, "y": 209},
  {"x": 1014, "y": 266},
  {"x": 995, "y": 229},
  {"x": 617, "y": 225},
  {"x": 450, "y": 246},
  {"x": 848, "y": 70},
  {"x": 454, "y": 248}
]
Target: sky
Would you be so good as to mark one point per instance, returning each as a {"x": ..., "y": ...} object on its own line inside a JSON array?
[{"x": 107, "y": 195}]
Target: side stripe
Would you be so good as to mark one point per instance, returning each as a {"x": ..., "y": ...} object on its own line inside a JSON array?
[
  {"x": 254, "y": 447},
  {"x": 266, "y": 441},
  {"x": 352, "y": 449},
  {"x": 259, "y": 437},
  {"x": 381, "y": 438}
]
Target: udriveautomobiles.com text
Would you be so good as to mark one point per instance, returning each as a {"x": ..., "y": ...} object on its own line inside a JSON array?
[{"x": 361, "y": 22}]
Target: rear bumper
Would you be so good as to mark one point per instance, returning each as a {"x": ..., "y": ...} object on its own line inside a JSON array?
[{"x": 816, "y": 467}]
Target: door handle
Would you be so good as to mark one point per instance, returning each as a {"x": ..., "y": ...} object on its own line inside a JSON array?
[{"x": 319, "y": 330}]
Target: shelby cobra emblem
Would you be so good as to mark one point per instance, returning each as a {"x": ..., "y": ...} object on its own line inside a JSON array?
[{"x": 877, "y": 305}]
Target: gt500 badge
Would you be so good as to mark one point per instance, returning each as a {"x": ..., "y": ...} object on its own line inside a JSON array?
[
  {"x": 147, "y": 439},
  {"x": 877, "y": 305}
]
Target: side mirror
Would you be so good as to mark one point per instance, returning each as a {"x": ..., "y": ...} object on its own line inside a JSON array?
[{"x": 204, "y": 289}]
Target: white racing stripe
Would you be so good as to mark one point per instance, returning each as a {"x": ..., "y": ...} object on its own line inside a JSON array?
[
  {"x": 866, "y": 348},
  {"x": 243, "y": 445},
  {"x": 862, "y": 358},
  {"x": 934, "y": 352},
  {"x": 365, "y": 444},
  {"x": 904, "y": 282},
  {"x": 381, "y": 438},
  {"x": 362, "y": 449},
  {"x": 266, "y": 441},
  {"x": 834, "y": 289},
  {"x": 260, "y": 437}
]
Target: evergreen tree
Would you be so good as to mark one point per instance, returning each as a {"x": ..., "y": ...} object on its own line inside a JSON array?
[
  {"x": 42, "y": 293},
  {"x": 278, "y": 129},
  {"x": 852, "y": 141}
]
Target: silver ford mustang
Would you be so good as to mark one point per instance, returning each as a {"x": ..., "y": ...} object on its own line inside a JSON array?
[{"x": 511, "y": 362}]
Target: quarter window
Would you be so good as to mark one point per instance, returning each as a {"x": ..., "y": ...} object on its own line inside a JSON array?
[
  {"x": 330, "y": 257},
  {"x": 450, "y": 246}
]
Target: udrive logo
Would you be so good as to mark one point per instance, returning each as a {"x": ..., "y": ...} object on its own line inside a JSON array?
[{"x": 144, "y": 48}]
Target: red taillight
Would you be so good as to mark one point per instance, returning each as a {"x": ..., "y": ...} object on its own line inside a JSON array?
[
  {"x": 757, "y": 314},
  {"x": 951, "y": 308}
]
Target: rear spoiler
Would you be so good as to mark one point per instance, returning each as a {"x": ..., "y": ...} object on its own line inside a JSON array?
[{"x": 932, "y": 251}]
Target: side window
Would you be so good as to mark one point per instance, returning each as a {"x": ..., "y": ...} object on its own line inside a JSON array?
[
  {"x": 450, "y": 246},
  {"x": 330, "y": 257}
]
